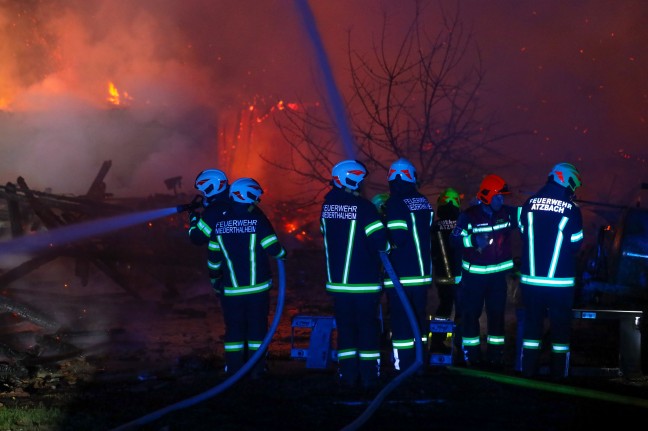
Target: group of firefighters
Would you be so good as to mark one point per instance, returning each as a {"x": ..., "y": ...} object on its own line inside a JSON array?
[{"x": 466, "y": 253}]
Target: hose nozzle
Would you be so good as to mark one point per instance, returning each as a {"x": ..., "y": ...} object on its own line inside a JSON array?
[{"x": 196, "y": 203}]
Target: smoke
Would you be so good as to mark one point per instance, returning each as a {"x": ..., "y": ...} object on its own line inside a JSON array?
[
  {"x": 182, "y": 73},
  {"x": 186, "y": 74}
]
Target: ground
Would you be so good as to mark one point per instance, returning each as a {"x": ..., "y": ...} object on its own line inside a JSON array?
[{"x": 156, "y": 364}]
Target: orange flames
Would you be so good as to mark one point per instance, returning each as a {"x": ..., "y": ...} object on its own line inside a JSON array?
[
  {"x": 4, "y": 103},
  {"x": 279, "y": 106},
  {"x": 115, "y": 98}
]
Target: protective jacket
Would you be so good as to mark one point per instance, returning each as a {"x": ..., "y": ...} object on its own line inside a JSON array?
[
  {"x": 552, "y": 234},
  {"x": 474, "y": 221},
  {"x": 353, "y": 236},
  {"x": 240, "y": 246},
  {"x": 446, "y": 260},
  {"x": 485, "y": 242},
  {"x": 409, "y": 216},
  {"x": 201, "y": 225}
]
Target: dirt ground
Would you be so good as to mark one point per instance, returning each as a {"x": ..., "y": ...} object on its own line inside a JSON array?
[{"x": 156, "y": 364}]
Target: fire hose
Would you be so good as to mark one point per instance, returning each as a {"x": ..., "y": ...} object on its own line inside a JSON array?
[
  {"x": 419, "y": 350},
  {"x": 229, "y": 381}
]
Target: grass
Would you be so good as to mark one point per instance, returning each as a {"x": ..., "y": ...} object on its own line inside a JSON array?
[{"x": 38, "y": 418}]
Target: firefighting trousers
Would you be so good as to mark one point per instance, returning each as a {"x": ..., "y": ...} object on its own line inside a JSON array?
[
  {"x": 556, "y": 304},
  {"x": 358, "y": 337},
  {"x": 246, "y": 325},
  {"x": 403, "y": 341},
  {"x": 448, "y": 295},
  {"x": 479, "y": 292}
]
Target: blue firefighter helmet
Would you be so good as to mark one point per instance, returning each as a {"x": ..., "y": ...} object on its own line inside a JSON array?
[{"x": 349, "y": 174}]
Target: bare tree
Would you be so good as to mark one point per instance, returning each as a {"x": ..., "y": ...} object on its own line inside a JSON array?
[{"x": 419, "y": 100}]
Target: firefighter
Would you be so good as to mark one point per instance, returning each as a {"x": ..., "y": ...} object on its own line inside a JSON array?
[
  {"x": 214, "y": 187},
  {"x": 447, "y": 269},
  {"x": 240, "y": 246},
  {"x": 408, "y": 216},
  {"x": 354, "y": 235},
  {"x": 483, "y": 235},
  {"x": 552, "y": 234}
]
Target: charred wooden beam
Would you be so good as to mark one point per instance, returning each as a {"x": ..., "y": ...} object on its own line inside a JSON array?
[
  {"x": 51, "y": 220},
  {"x": 26, "y": 312},
  {"x": 13, "y": 208},
  {"x": 97, "y": 189}
]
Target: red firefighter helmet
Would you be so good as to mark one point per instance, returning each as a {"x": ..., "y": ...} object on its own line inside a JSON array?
[
  {"x": 348, "y": 173},
  {"x": 404, "y": 169},
  {"x": 490, "y": 186},
  {"x": 245, "y": 191},
  {"x": 211, "y": 182},
  {"x": 566, "y": 175}
]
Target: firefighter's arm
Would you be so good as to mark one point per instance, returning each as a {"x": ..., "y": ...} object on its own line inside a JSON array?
[
  {"x": 271, "y": 244},
  {"x": 460, "y": 237},
  {"x": 214, "y": 265},
  {"x": 396, "y": 215},
  {"x": 576, "y": 238},
  {"x": 199, "y": 231},
  {"x": 216, "y": 279},
  {"x": 377, "y": 235}
]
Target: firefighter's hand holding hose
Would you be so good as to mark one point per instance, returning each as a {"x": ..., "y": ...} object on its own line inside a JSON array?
[
  {"x": 217, "y": 283},
  {"x": 191, "y": 207}
]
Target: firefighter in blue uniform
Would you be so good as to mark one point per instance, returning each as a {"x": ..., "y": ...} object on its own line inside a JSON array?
[
  {"x": 483, "y": 234},
  {"x": 447, "y": 269},
  {"x": 354, "y": 235},
  {"x": 552, "y": 234},
  {"x": 214, "y": 187},
  {"x": 408, "y": 216},
  {"x": 240, "y": 247}
]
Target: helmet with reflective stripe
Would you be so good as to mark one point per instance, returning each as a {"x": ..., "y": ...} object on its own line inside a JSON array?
[
  {"x": 566, "y": 175},
  {"x": 211, "y": 182},
  {"x": 348, "y": 173},
  {"x": 449, "y": 195},
  {"x": 246, "y": 191},
  {"x": 404, "y": 169},
  {"x": 491, "y": 186}
]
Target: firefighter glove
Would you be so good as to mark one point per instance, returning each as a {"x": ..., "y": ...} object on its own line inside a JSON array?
[
  {"x": 217, "y": 285},
  {"x": 193, "y": 218}
]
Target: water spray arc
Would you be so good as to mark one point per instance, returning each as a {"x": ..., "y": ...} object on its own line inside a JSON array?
[
  {"x": 65, "y": 235},
  {"x": 334, "y": 96},
  {"x": 339, "y": 112}
]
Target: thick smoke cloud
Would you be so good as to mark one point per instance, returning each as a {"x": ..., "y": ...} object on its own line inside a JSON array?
[
  {"x": 183, "y": 72},
  {"x": 573, "y": 73}
]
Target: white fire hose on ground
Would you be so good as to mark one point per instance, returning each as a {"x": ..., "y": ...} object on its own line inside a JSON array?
[
  {"x": 229, "y": 381},
  {"x": 266, "y": 341},
  {"x": 418, "y": 344}
]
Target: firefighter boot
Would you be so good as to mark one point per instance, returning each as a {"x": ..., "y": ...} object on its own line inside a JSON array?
[
  {"x": 473, "y": 356},
  {"x": 259, "y": 369},
  {"x": 495, "y": 356},
  {"x": 348, "y": 373},
  {"x": 530, "y": 362},
  {"x": 370, "y": 374},
  {"x": 559, "y": 365}
]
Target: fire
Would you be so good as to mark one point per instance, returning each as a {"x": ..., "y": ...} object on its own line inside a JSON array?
[
  {"x": 114, "y": 98},
  {"x": 279, "y": 106},
  {"x": 4, "y": 103},
  {"x": 290, "y": 227}
]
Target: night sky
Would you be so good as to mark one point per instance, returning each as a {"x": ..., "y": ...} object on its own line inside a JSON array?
[{"x": 572, "y": 72}]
